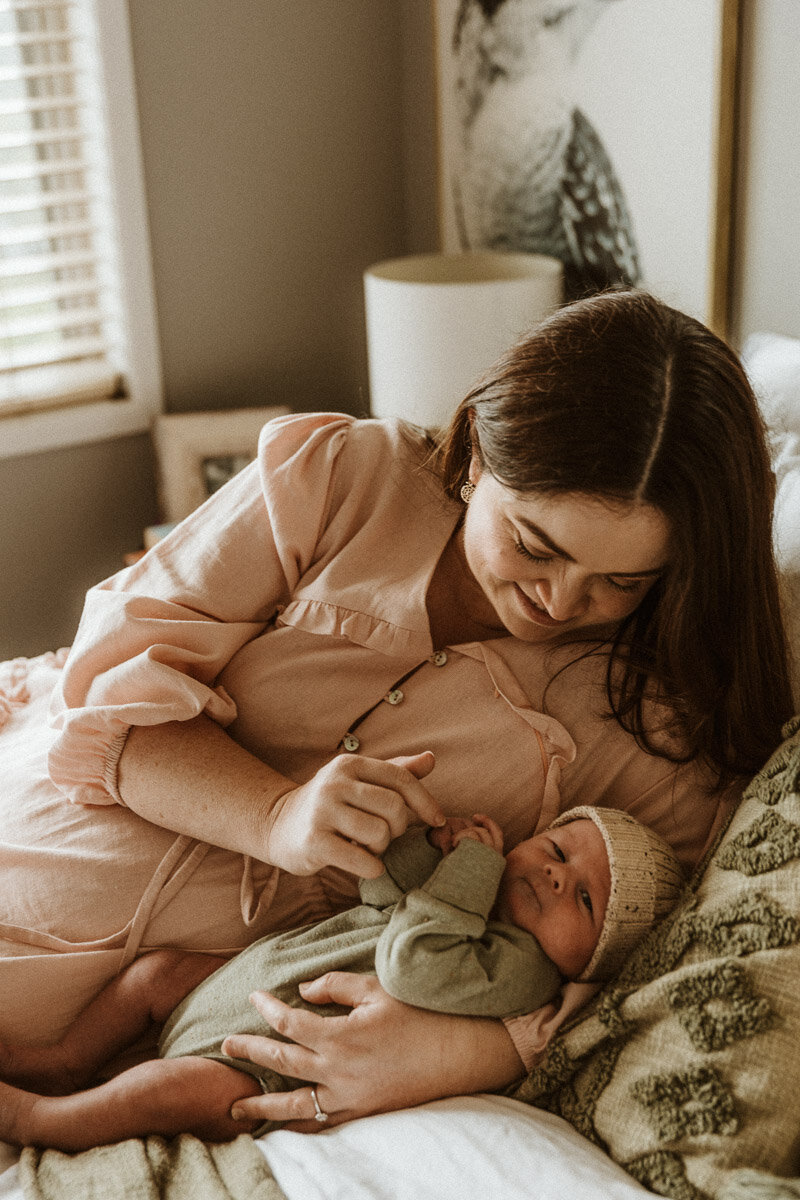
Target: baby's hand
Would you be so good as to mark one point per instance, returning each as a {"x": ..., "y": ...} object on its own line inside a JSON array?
[
  {"x": 481, "y": 829},
  {"x": 442, "y": 838}
]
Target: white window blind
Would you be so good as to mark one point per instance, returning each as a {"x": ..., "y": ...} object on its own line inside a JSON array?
[{"x": 64, "y": 333}]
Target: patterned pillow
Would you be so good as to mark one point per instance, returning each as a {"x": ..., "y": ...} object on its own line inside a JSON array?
[{"x": 686, "y": 1069}]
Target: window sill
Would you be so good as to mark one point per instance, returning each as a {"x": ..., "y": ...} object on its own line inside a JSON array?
[{"x": 98, "y": 420}]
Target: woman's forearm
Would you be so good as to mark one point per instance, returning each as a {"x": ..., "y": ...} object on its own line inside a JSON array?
[{"x": 191, "y": 777}]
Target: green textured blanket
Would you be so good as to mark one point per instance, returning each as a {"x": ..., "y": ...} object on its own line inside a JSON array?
[
  {"x": 152, "y": 1168},
  {"x": 685, "y": 1067}
]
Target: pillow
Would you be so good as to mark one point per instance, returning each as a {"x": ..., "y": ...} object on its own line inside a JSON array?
[
  {"x": 486, "y": 1146},
  {"x": 686, "y": 1067},
  {"x": 772, "y": 362}
]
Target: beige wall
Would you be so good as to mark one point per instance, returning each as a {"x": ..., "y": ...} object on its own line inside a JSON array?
[
  {"x": 66, "y": 519},
  {"x": 287, "y": 146},
  {"x": 272, "y": 138}
]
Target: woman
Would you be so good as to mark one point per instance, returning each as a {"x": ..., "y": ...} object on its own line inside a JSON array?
[{"x": 570, "y": 598}]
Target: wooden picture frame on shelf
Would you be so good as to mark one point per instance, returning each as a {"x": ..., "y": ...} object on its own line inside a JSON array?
[{"x": 600, "y": 133}]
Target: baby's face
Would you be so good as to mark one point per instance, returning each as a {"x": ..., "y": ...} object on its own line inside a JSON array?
[{"x": 556, "y": 885}]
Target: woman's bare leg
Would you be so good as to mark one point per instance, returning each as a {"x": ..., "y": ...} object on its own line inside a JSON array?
[
  {"x": 143, "y": 995},
  {"x": 167, "y": 1096}
]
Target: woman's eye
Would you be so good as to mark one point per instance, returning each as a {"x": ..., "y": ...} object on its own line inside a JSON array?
[
  {"x": 522, "y": 549},
  {"x": 587, "y": 900},
  {"x": 634, "y": 586},
  {"x": 558, "y": 852}
]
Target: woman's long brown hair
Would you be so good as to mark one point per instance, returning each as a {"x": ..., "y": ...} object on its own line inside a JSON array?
[{"x": 622, "y": 398}]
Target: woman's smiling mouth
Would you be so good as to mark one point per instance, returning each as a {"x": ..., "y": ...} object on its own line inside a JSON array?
[{"x": 533, "y": 611}]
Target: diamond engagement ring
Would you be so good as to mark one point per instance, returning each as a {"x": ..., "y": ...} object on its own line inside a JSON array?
[{"x": 319, "y": 1114}]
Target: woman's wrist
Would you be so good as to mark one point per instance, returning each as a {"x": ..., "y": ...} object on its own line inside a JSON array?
[
  {"x": 194, "y": 779},
  {"x": 504, "y": 1066},
  {"x": 191, "y": 777}
]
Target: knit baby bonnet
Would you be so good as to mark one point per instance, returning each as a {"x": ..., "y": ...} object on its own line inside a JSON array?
[{"x": 646, "y": 880}]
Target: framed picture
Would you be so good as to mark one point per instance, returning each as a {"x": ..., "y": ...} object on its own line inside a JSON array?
[
  {"x": 196, "y": 453},
  {"x": 598, "y": 131}
]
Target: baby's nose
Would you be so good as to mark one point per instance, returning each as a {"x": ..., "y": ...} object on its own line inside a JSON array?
[{"x": 555, "y": 872}]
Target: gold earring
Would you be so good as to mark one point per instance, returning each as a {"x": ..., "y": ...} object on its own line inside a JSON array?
[{"x": 467, "y": 491}]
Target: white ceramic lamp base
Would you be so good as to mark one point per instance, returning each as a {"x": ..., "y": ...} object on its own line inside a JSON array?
[{"x": 436, "y": 322}]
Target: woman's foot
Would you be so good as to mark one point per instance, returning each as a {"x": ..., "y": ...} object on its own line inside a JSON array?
[{"x": 42, "y": 1069}]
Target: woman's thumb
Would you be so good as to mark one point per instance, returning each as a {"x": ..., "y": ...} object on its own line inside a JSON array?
[{"x": 341, "y": 987}]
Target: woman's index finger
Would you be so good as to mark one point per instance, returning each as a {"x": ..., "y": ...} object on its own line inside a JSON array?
[
  {"x": 414, "y": 794},
  {"x": 419, "y": 800}
]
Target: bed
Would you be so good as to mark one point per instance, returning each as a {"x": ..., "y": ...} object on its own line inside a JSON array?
[
  {"x": 486, "y": 1146},
  {"x": 684, "y": 1069}
]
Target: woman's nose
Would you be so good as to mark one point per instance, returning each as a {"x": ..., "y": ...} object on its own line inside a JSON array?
[{"x": 563, "y": 597}]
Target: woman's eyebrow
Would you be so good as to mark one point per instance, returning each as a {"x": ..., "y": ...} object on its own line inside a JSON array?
[
  {"x": 544, "y": 538},
  {"x": 547, "y": 541}
]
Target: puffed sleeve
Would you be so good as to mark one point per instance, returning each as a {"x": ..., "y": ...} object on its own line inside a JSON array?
[{"x": 153, "y": 638}]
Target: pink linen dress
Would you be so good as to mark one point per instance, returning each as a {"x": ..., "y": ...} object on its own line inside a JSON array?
[{"x": 287, "y": 608}]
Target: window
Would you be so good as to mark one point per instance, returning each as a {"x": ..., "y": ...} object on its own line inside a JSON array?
[{"x": 78, "y": 347}]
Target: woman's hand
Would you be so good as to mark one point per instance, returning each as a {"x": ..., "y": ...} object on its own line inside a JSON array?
[
  {"x": 175, "y": 774},
  {"x": 381, "y": 1056},
  {"x": 348, "y": 813}
]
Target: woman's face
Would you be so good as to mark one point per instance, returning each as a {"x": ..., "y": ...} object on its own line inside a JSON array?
[{"x": 553, "y": 564}]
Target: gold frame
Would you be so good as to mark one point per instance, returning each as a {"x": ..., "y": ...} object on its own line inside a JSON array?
[
  {"x": 718, "y": 300},
  {"x": 722, "y": 223}
]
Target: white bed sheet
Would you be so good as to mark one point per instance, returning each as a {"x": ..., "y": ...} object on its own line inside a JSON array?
[{"x": 468, "y": 1146}]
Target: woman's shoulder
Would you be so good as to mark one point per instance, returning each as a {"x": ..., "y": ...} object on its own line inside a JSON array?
[
  {"x": 358, "y": 437},
  {"x": 365, "y": 470},
  {"x": 354, "y": 489}
]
